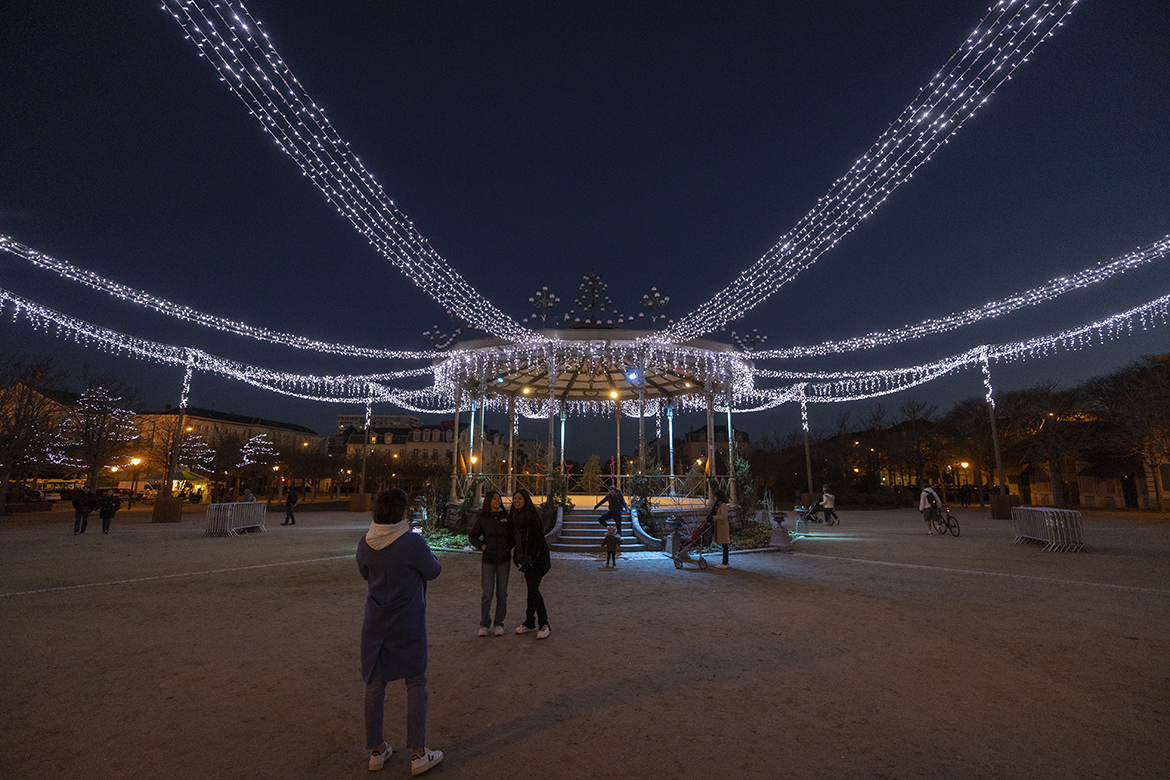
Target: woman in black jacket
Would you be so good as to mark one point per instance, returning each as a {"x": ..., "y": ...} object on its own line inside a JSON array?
[
  {"x": 492, "y": 533},
  {"x": 532, "y": 558}
]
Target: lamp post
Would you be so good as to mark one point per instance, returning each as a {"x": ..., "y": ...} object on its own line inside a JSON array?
[{"x": 135, "y": 462}]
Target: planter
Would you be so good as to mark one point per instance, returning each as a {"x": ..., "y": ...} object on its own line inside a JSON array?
[
  {"x": 1001, "y": 506},
  {"x": 167, "y": 510}
]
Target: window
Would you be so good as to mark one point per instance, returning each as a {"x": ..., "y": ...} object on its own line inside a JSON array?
[
  {"x": 426, "y": 435},
  {"x": 451, "y": 437},
  {"x": 435, "y": 454}
]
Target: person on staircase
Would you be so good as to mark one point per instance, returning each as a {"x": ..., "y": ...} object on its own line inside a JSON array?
[{"x": 617, "y": 504}]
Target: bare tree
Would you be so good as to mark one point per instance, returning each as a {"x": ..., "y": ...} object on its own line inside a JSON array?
[
  {"x": 1137, "y": 402},
  {"x": 27, "y": 417},
  {"x": 100, "y": 428}
]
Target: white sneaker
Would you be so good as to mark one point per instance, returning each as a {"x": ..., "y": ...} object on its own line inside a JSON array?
[
  {"x": 499, "y": 631},
  {"x": 543, "y": 632},
  {"x": 424, "y": 762},
  {"x": 483, "y": 631},
  {"x": 523, "y": 629},
  {"x": 378, "y": 759},
  {"x": 722, "y": 566}
]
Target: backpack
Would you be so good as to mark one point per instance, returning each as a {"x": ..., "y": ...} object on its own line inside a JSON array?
[{"x": 932, "y": 497}]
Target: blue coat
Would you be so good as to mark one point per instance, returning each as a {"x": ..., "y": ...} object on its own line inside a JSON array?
[{"x": 394, "y": 632}]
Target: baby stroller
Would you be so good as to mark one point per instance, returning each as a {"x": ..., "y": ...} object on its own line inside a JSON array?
[
  {"x": 699, "y": 538},
  {"x": 814, "y": 514}
]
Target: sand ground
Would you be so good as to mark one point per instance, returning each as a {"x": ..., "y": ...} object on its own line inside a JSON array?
[{"x": 873, "y": 650}]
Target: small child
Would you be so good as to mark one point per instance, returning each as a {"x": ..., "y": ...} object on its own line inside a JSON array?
[{"x": 610, "y": 544}]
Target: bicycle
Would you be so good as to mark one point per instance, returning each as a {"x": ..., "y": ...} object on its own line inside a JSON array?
[{"x": 944, "y": 521}]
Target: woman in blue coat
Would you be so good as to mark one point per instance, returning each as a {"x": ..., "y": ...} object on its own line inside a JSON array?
[{"x": 397, "y": 565}]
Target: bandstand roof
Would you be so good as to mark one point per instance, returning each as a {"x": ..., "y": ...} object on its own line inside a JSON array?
[{"x": 596, "y": 365}]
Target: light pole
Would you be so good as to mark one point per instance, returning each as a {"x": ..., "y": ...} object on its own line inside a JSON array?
[{"x": 135, "y": 462}]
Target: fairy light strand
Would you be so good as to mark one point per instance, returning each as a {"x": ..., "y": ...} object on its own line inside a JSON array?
[
  {"x": 1159, "y": 250},
  {"x": 229, "y": 38},
  {"x": 97, "y": 282},
  {"x": 1003, "y": 41}
]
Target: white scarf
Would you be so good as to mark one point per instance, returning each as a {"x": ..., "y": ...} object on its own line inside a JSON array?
[{"x": 382, "y": 535}]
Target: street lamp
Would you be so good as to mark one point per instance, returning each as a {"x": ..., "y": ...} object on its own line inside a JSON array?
[{"x": 133, "y": 485}]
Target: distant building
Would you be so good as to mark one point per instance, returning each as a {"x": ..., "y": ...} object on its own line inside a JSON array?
[
  {"x": 212, "y": 425},
  {"x": 358, "y": 421}
]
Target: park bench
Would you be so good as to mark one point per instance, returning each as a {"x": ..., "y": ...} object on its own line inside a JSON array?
[
  {"x": 227, "y": 519},
  {"x": 1059, "y": 529}
]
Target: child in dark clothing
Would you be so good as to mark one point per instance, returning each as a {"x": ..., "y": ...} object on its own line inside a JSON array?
[{"x": 611, "y": 543}]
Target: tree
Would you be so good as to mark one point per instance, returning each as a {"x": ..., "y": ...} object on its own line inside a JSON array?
[
  {"x": 27, "y": 418},
  {"x": 1137, "y": 402},
  {"x": 99, "y": 429},
  {"x": 591, "y": 475}
]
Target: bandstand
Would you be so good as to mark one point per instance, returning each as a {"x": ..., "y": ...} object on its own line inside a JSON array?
[{"x": 581, "y": 373}]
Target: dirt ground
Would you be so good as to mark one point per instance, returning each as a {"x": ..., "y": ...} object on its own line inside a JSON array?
[{"x": 873, "y": 650}]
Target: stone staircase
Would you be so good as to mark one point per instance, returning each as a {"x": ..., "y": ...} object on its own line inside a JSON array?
[{"x": 581, "y": 533}]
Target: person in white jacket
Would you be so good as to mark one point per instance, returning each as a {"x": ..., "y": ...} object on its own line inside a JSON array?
[
  {"x": 828, "y": 500},
  {"x": 928, "y": 505}
]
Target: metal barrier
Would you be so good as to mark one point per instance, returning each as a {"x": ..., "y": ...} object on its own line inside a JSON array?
[
  {"x": 1059, "y": 529},
  {"x": 226, "y": 519}
]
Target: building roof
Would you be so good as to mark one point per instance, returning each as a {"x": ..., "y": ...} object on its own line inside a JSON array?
[{"x": 237, "y": 419}]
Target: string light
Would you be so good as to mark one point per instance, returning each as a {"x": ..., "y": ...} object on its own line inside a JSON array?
[
  {"x": 859, "y": 385},
  {"x": 97, "y": 282},
  {"x": 1159, "y": 250},
  {"x": 1007, "y": 35},
  {"x": 233, "y": 42}
]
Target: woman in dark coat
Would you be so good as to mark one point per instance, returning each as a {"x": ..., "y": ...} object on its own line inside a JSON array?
[
  {"x": 492, "y": 533},
  {"x": 397, "y": 565},
  {"x": 532, "y": 558}
]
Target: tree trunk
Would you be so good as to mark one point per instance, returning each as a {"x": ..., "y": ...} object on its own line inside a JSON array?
[
  {"x": 1056, "y": 483},
  {"x": 6, "y": 474},
  {"x": 1159, "y": 496}
]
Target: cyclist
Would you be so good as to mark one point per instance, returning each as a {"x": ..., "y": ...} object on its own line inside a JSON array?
[{"x": 929, "y": 504}]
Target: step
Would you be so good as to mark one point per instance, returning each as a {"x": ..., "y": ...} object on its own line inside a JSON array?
[{"x": 593, "y": 549}]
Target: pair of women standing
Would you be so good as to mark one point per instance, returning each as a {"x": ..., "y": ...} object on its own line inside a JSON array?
[{"x": 519, "y": 535}]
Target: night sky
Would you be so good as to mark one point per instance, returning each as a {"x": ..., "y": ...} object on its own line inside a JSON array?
[{"x": 666, "y": 144}]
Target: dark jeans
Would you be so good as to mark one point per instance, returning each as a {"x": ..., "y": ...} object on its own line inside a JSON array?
[
  {"x": 610, "y": 557},
  {"x": 288, "y": 518},
  {"x": 416, "y": 710},
  {"x": 829, "y": 511},
  {"x": 80, "y": 521},
  {"x": 106, "y": 524},
  {"x": 493, "y": 578},
  {"x": 616, "y": 516},
  {"x": 726, "y": 548},
  {"x": 535, "y": 610}
]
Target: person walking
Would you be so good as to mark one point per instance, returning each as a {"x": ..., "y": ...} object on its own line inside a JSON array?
[
  {"x": 722, "y": 529},
  {"x": 396, "y": 565},
  {"x": 828, "y": 501},
  {"x": 85, "y": 503},
  {"x": 108, "y": 506},
  {"x": 928, "y": 505},
  {"x": 290, "y": 503},
  {"x": 247, "y": 498},
  {"x": 532, "y": 557},
  {"x": 492, "y": 533},
  {"x": 617, "y": 504}
]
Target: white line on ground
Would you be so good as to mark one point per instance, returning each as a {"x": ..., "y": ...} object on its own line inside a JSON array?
[
  {"x": 171, "y": 576},
  {"x": 1032, "y": 577}
]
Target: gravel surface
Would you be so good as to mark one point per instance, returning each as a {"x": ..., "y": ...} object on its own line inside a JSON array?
[{"x": 873, "y": 650}]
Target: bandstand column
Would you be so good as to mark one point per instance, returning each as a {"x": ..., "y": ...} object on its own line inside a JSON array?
[
  {"x": 710, "y": 442},
  {"x": 471, "y": 439},
  {"x": 670, "y": 438},
  {"x": 564, "y": 414},
  {"x": 552, "y": 416},
  {"x": 617, "y": 458},
  {"x": 734, "y": 494},
  {"x": 511, "y": 481},
  {"x": 994, "y": 427},
  {"x": 455, "y": 443}
]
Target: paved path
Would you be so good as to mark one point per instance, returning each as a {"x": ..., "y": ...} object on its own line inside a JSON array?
[{"x": 873, "y": 650}]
